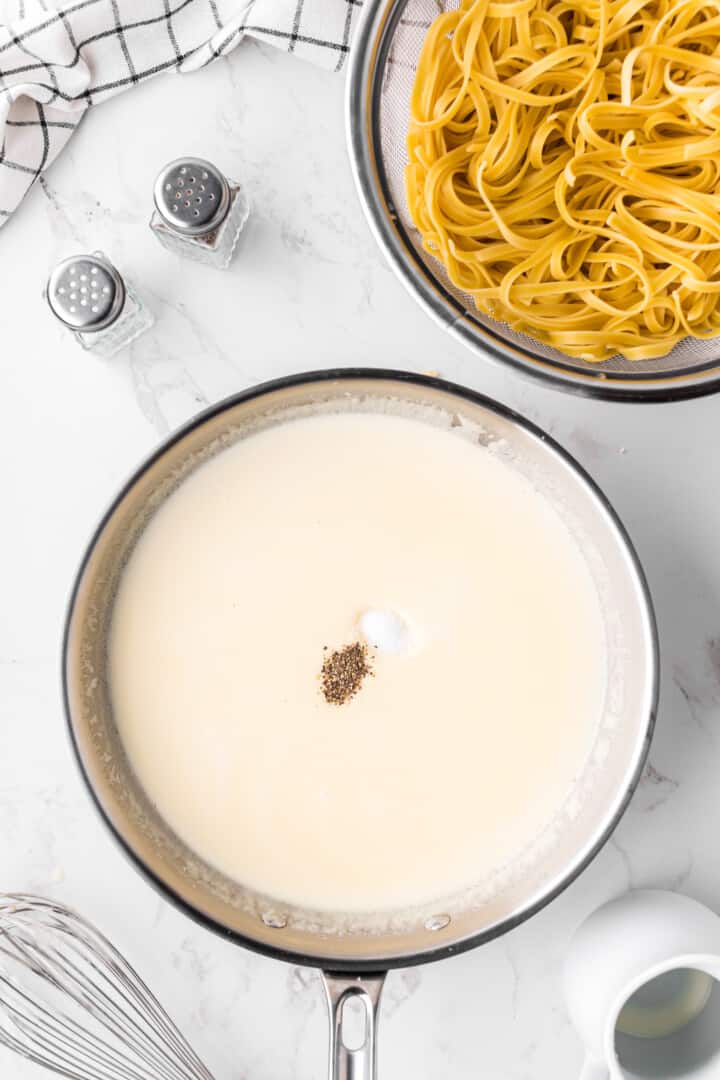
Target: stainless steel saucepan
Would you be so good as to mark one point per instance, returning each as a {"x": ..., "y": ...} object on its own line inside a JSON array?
[{"x": 356, "y": 951}]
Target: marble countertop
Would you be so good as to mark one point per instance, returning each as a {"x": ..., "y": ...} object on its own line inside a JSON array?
[{"x": 309, "y": 290}]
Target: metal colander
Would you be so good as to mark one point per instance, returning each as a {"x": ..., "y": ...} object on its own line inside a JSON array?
[{"x": 382, "y": 71}]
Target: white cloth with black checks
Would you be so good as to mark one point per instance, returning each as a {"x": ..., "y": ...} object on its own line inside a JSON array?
[{"x": 60, "y": 57}]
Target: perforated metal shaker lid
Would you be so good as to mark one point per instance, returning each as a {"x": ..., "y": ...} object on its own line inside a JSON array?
[
  {"x": 86, "y": 292},
  {"x": 192, "y": 196}
]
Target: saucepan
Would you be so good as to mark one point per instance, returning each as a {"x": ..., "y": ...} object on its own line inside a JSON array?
[{"x": 355, "y": 951}]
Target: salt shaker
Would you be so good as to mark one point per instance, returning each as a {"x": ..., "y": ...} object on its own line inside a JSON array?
[
  {"x": 88, "y": 295},
  {"x": 199, "y": 213}
]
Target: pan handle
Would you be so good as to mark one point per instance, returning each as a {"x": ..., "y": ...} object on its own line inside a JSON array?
[{"x": 358, "y": 1063}]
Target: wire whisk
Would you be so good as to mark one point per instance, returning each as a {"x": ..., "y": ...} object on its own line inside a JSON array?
[{"x": 71, "y": 1002}]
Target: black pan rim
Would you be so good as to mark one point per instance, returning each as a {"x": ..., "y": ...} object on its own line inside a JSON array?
[{"x": 369, "y": 964}]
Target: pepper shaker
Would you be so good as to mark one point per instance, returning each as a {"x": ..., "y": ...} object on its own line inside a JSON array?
[
  {"x": 199, "y": 213},
  {"x": 88, "y": 295}
]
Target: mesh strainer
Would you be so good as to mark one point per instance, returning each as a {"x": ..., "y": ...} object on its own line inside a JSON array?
[{"x": 382, "y": 70}]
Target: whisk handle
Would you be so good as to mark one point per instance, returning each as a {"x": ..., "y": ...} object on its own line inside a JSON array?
[{"x": 357, "y": 1062}]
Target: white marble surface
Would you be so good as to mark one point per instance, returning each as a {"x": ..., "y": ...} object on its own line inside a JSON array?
[{"x": 309, "y": 290}]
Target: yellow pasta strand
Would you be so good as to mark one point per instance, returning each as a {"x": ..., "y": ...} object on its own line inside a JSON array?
[{"x": 564, "y": 166}]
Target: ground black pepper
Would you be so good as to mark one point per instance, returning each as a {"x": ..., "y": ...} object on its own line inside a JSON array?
[{"x": 343, "y": 671}]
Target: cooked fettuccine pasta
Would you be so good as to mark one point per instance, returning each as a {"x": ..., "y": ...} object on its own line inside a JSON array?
[{"x": 565, "y": 167}]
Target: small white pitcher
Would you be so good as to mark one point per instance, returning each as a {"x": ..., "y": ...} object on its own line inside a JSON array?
[{"x": 642, "y": 984}]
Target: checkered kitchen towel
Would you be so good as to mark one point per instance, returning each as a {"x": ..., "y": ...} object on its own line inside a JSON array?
[{"x": 60, "y": 57}]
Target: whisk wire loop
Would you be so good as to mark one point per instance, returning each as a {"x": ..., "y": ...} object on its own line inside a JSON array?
[{"x": 71, "y": 1002}]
